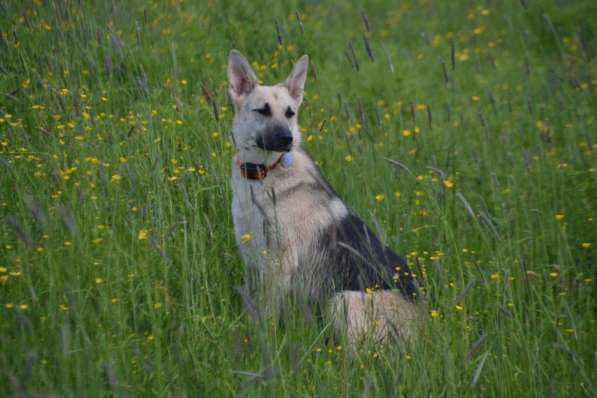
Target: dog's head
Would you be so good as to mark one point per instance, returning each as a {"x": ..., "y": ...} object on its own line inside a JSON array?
[{"x": 265, "y": 121}]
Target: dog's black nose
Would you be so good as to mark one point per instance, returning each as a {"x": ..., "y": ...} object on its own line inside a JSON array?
[
  {"x": 285, "y": 139},
  {"x": 279, "y": 139}
]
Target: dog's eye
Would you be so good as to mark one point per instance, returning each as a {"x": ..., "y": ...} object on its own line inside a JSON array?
[
  {"x": 265, "y": 110},
  {"x": 289, "y": 113}
]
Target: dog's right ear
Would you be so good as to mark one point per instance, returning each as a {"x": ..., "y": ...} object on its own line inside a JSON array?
[{"x": 241, "y": 77}]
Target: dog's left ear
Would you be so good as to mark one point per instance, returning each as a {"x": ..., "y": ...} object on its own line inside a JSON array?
[{"x": 296, "y": 80}]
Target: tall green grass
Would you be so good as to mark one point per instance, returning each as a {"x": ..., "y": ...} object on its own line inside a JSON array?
[{"x": 464, "y": 133}]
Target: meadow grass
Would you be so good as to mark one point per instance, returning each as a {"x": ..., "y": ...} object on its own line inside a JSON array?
[{"x": 462, "y": 132}]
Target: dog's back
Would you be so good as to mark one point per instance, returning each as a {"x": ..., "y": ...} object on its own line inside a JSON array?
[{"x": 367, "y": 289}]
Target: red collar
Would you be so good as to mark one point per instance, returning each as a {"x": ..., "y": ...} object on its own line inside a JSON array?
[{"x": 256, "y": 171}]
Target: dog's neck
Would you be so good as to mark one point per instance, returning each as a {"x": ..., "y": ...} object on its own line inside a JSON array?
[
  {"x": 258, "y": 156},
  {"x": 259, "y": 170}
]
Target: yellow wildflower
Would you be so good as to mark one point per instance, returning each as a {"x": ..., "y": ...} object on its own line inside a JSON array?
[{"x": 142, "y": 235}]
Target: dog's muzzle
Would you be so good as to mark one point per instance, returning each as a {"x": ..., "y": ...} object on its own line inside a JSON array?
[{"x": 277, "y": 139}]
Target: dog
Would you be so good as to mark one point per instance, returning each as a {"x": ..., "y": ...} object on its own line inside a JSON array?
[{"x": 295, "y": 234}]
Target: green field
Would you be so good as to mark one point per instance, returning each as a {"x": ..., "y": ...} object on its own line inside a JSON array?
[{"x": 463, "y": 132}]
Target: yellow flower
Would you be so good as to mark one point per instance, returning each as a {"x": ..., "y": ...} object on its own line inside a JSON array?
[
  {"x": 116, "y": 178},
  {"x": 558, "y": 216},
  {"x": 586, "y": 245},
  {"x": 24, "y": 306},
  {"x": 245, "y": 237},
  {"x": 397, "y": 194},
  {"x": 458, "y": 307},
  {"x": 348, "y": 158},
  {"x": 379, "y": 198},
  {"x": 406, "y": 133},
  {"x": 99, "y": 280},
  {"x": 3, "y": 270},
  {"x": 142, "y": 235},
  {"x": 434, "y": 313},
  {"x": 475, "y": 98},
  {"x": 449, "y": 183},
  {"x": 554, "y": 274}
]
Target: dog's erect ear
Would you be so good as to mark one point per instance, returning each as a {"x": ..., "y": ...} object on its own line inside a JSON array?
[
  {"x": 241, "y": 77},
  {"x": 296, "y": 80}
]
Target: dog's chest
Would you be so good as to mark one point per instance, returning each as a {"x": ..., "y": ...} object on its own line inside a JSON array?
[
  {"x": 250, "y": 224},
  {"x": 259, "y": 219}
]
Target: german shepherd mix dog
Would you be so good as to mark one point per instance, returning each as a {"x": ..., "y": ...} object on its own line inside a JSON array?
[{"x": 295, "y": 234}]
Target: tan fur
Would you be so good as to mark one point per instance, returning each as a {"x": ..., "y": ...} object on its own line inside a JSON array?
[
  {"x": 373, "y": 317},
  {"x": 283, "y": 216},
  {"x": 294, "y": 221}
]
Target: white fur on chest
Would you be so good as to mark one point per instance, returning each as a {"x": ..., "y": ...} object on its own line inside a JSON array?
[{"x": 281, "y": 221}]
